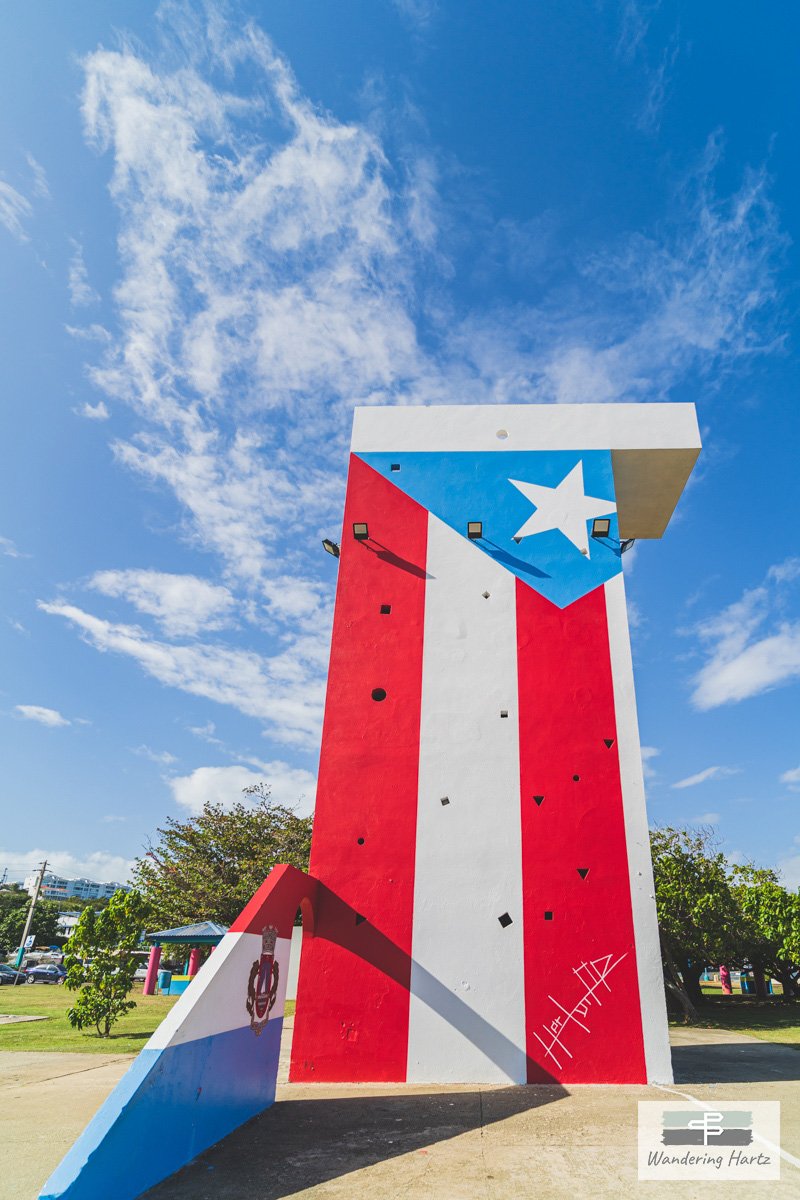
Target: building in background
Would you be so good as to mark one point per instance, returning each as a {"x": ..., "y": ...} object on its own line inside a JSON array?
[
  {"x": 56, "y": 887},
  {"x": 67, "y": 922}
]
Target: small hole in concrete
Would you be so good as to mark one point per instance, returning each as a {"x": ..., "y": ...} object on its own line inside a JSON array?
[
  {"x": 505, "y": 920},
  {"x": 445, "y": 800},
  {"x": 548, "y": 916},
  {"x": 385, "y": 610},
  {"x": 361, "y": 841},
  {"x": 378, "y": 694}
]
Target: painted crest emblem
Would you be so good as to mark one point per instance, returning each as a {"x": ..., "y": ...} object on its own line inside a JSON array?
[{"x": 262, "y": 986}]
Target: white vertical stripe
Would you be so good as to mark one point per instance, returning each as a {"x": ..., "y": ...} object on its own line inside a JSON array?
[
  {"x": 467, "y": 1016},
  {"x": 658, "y": 1060}
]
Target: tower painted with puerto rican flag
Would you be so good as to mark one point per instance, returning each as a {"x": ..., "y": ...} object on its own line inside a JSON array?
[{"x": 486, "y": 908}]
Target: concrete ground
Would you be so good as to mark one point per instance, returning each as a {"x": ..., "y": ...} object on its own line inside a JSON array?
[{"x": 418, "y": 1143}]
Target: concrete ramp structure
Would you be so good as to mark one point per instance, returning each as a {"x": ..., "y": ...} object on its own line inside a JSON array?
[
  {"x": 210, "y": 1066},
  {"x": 480, "y": 905}
]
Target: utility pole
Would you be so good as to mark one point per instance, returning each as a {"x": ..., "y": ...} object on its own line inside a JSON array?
[{"x": 21, "y": 951}]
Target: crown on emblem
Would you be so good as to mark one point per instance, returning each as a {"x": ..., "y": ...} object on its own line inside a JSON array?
[{"x": 269, "y": 936}]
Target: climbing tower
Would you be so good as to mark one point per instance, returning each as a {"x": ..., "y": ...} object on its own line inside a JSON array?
[{"x": 480, "y": 831}]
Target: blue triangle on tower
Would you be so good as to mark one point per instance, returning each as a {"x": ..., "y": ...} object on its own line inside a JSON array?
[{"x": 465, "y": 485}]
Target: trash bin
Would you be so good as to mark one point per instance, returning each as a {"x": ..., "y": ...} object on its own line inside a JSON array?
[
  {"x": 164, "y": 980},
  {"x": 748, "y": 985}
]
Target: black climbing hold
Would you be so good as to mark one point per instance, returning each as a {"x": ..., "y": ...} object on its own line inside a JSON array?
[
  {"x": 538, "y": 800},
  {"x": 583, "y": 872}
]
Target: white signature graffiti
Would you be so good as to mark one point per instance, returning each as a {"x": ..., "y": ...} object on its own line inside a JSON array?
[{"x": 592, "y": 975}]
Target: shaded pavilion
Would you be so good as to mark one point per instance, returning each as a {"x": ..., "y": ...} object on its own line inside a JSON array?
[{"x": 196, "y": 935}]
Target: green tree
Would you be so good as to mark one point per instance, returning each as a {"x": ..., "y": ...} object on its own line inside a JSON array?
[
  {"x": 769, "y": 926},
  {"x": 697, "y": 913},
  {"x": 100, "y": 961},
  {"x": 14, "y": 905},
  {"x": 209, "y": 866}
]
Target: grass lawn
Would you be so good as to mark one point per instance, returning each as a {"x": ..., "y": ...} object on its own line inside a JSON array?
[
  {"x": 770, "y": 1020},
  {"x": 40, "y": 999},
  {"x": 43, "y": 999}
]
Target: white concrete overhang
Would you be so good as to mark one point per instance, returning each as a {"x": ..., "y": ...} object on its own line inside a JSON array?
[{"x": 653, "y": 446}]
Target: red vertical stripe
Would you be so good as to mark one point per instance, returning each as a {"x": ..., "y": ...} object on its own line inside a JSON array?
[
  {"x": 352, "y": 1001},
  {"x": 566, "y": 712}
]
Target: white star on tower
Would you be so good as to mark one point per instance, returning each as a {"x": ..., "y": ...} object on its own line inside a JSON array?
[{"x": 565, "y": 507}]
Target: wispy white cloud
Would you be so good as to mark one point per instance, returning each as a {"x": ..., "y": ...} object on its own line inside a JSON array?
[
  {"x": 291, "y": 786},
  {"x": 648, "y": 754},
  {"x": 285, "y": 691},
  {"x": 41, "y": 187},
  {"x": 44, "y": 716},
  {"x": 206, "y": 732},
  {"x": 10, "y": 550},
  {"x": 93, "y": 412},
  {"x": 792, "y": 779},
  {"x": 89, "y": 333},
  {"x": 694, "y": 303},
  {"x": 81, "y": 291},
  {"x": 658, "y": 85},
  {"x": 752, "y": 646},
  {"x": 14, "y": 209},
  {"x": 706, "y": 774},
  {"x": 183, "y": 605},
  {"x": 706, "y": 818},
  {"x": 634, "y": 21},
  {"x": 418, "y": 13},
  {"x": 162, "y": 757}
]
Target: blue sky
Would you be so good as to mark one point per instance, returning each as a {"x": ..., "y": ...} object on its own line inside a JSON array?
[{"x": 220, "y": 229}]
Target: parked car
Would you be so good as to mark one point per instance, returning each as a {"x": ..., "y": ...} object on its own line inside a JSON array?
[
  {"x": 9, "y": 975},
  {"x": 140, "y": 974},
  {"x": 46, "y": 973}
]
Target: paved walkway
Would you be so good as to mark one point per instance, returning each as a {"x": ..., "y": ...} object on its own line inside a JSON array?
[
  {"x": 399, "y": 1143},
  {"x": 45, "y": 1101}
]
